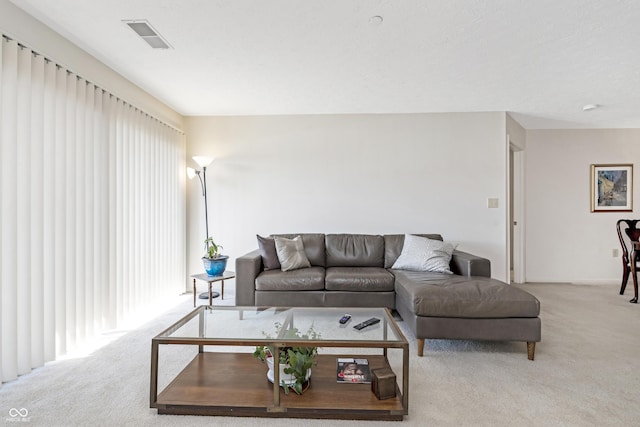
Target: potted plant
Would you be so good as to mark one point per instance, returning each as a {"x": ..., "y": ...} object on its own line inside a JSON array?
[
  {"x": 214, "y": 262},
  {"x": 295, "y": 362}
]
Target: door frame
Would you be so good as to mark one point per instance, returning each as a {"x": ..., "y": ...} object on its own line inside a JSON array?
[{"x": 515, "y": 214}]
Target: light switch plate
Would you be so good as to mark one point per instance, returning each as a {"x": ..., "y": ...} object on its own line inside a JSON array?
[{"x": 492, "y": 202}]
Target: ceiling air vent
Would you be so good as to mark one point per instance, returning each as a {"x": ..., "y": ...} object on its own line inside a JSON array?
[{"x": 148, "y": 33}]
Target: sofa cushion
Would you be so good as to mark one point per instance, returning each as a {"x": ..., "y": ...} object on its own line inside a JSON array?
[
  {"x": 290, "y": 298},
  {"x": 291, "y": 253},
  {"x": 268, "y": 253},
  {"x": 306, "y": 279},
  {"x": 358, "y": 279},
  {"x": 423, "y": 254},
  {"x": 354, "y": 250},
  {"x": 313, "y": 246},
  {"x": 393, "y": 246},
  {"x": 444, "y": 295}
]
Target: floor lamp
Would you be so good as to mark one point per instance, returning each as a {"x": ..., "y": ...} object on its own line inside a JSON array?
[{"x": 203, "y": 162}]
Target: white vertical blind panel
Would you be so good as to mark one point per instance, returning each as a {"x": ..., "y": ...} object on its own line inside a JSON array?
[
  {"x": 173, "y": 182},
  {"x": 71, "y": 230},
  {"x": 126, "y": 217},
  {"x": 144, "y": 215},
  {"x": 181, "y": 226},
  {"x": 156, "y": 238},
  {"x": 35, "y": 253},
  {"x": 120, "y": 224},
  {"x": 81, "y": 116},
  {"x": 174, "y": 169},
  {"x": 48, "y": 209},
  {"x": 99, "y": 195},
  {"x": 60, "y": 200},
  {"x": 110, "y": 312},
  {"x": 2, "y": 352},
  {"x": 2, "y": 302},
  {"x": 89, "y": 206},
  {"x": 8, "y": 215},
  {"x": 107, "y": 260},
  {"x": 181, "y": 231},
  {"x": 171, "y": 202},
  {"x": 135, "y": 208},
  {"x": 164, "y": 201},
  {"x": 106, "y": 213},
  {"x": 23, "y": 182}
]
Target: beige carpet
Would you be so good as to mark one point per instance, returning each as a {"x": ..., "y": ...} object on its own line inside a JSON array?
[{"x": 586, "y": 373}]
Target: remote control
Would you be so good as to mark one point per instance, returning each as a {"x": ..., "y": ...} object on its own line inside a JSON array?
[
  {"x": 344, "y": 319},
  {"x": 366, "y": 323}
]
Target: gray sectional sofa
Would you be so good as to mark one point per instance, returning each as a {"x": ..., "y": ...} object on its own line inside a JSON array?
[{"x": 354, "y": 270}]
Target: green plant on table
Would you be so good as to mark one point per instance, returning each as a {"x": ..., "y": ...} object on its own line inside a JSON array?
[
  {"x": 213, "y": 249},
  {"x": 299, "y": 359}
]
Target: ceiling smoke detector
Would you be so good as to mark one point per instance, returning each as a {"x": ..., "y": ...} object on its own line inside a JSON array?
[
  {"x": 143, "y": 28},
  {"x": 376, "y": 20}
]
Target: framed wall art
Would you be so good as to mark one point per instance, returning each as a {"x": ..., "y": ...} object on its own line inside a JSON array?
[{"x": 612, "y": 188}]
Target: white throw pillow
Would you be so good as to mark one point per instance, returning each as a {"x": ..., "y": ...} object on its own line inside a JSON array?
[
  {"x": 422, "y": 254},
  {"x": 291, "y": 253}
]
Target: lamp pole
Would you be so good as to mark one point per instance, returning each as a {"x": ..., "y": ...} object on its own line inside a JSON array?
[
  {"x": 206, "y": 206},
  {"x": 203, "y": 162}
]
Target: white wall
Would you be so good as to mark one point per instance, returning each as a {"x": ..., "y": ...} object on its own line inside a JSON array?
[
  {"x": 565, "y": 241},
  {"x": 15, "y": 23},
  {"x": 372, "y": 174}
]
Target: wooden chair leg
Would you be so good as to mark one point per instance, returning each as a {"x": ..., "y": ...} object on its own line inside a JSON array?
[
  {"x": 420, "y": 347},
  {"x": 531, "y": 349},
  {"x": 625, "y": 279},
  {"x": 633, "y": 260}
]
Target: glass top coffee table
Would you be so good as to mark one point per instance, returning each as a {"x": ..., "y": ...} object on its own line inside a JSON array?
[{"x": 225, "y": 379}]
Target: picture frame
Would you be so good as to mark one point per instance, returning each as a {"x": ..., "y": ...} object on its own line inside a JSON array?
[{"x": 612, "y": 188}]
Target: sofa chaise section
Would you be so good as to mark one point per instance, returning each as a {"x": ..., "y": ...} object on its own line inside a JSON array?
[{"x": 478, "y": 308}]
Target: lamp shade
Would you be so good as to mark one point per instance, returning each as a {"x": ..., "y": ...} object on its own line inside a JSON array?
[
  {"x": 191, "y": 172},
  {"x": 203, "y": 161}
]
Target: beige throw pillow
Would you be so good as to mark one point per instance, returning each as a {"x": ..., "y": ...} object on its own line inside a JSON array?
[
  {"x": 422, "y": 254},
  {"x": 291, "y": 253}
]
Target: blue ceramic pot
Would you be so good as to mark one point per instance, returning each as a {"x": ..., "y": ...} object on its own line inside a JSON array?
[{"x": 215, "y": 266}]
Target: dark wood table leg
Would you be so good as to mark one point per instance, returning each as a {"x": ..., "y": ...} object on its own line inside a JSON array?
[
  {"x": 153, "y": 389},
  {"x": 634, "y": 273},
  {"x": 222, "y": 286},
  {"x": 194, "y": 292}
]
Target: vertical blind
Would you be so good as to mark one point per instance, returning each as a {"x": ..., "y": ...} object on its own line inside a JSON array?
[{"x": 92, "y": 210}]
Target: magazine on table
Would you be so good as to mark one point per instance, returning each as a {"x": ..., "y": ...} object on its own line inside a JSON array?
[{"x": 351, "y": 370}]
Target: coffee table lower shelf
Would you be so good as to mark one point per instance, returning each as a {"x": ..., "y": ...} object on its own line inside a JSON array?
[{"x": 235, "y": 384}]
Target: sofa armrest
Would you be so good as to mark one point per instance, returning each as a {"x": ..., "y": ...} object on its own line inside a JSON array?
[
  {"x": 247, "y": 269},
  {"x": 466, "y": 264}
]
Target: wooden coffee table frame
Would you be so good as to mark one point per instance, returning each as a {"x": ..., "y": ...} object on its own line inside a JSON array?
[{"x": 203, "y": 388}]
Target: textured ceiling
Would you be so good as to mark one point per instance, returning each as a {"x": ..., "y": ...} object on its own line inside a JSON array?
[{"x": 540, "y": 60}]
